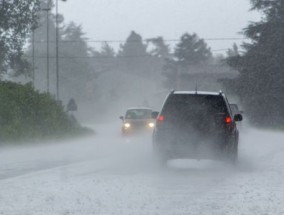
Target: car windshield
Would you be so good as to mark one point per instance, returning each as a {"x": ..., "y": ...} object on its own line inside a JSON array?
[{"x": 138, "y": 114}]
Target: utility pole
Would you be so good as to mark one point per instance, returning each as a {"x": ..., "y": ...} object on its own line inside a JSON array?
[
  {"x": 57, "y": 50},
  {"x": 33, "y": 38},
  {"x": 47, "y": 48},
  {"x": 33, "y": 28}
]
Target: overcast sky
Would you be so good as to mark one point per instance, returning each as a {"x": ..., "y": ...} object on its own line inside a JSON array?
[{"x": 114, "y": 19}]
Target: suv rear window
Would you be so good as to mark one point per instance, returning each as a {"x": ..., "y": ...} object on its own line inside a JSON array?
[{"x": 179, "y": 106}]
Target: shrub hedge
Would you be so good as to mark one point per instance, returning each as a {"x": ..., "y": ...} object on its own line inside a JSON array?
[{"x": 27, "y": 114}]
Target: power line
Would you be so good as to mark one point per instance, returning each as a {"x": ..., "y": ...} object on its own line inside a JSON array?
[
  {"x": 91, "y": 57},
  {"x": 105, "y": 57},
  {"x": 122, "y": 41},
  {"x": 137, "y": 41}
]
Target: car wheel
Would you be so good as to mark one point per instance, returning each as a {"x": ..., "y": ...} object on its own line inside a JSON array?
[
  {"x": 160, "y": 158},
  {"x": 229, "y": 151},
  {"x": 232, "y": 153},
  {"x": 161, "y": 161}
]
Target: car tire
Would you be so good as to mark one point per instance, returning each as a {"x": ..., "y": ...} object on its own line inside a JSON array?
[
  {"x": 161, "y": 161},
  {"x": 229, "y": 151},
  {"x": 160, "y": 158},
  {"x": 232, "y": 153}
]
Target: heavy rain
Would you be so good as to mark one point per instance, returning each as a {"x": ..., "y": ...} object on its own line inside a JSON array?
[{"x": 141, "y": 107}]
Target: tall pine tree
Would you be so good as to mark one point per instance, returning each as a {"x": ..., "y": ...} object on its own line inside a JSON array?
[
  {"x": 191, "y": 52},
  {"x": 261, "y": 80}
]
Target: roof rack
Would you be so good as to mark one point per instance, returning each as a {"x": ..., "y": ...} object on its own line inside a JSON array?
[{"x": 172, "y": 91}]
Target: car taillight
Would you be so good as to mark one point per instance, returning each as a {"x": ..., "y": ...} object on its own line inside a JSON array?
[
  {"x": 161, "y": 118},
  {"x": 228, "y": 119}
]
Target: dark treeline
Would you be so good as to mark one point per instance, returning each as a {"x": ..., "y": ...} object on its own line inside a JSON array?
[
  {"x": 25, "y": 113},
  {"x": 260, "y": 84},
  {"x": 104, "y": 76},
  {"x": 143, "y": 67}
]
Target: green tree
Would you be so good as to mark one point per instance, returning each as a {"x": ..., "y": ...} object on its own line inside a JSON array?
[
  {"x": 26, "y": 114},
  {"x": 39, "y": 42},
  {"x": 107, "y": 50},
  {"x": 105, "y": 59},
  {"x": 133, "y": 46},
  {"x": 161, "y": 49},
  {"x": 75, "y": 63},
  {"x": 17, "y": 18},
  {"x": 190, "y": 53},
  {"x": 75, "y": 56},
  {"x": 234, "y": 51},
  {"x": 261, "y": 80},
  {"x": 191, "y": 50},
  {"x": 133, "y": 57}
]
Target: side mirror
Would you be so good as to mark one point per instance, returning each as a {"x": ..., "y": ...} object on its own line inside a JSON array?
[
  {"x": 238, "y": 117},
  {"x": 154, "y": 114},
  {"x": 121, "y": 117}
]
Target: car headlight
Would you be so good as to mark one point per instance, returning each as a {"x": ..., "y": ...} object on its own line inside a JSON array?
[
  {"x": 127, "y": 125},
  {"x": 151, "y": 124}
]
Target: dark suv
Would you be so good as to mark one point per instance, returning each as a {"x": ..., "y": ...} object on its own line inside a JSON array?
[{"x": 198, "y": 125}]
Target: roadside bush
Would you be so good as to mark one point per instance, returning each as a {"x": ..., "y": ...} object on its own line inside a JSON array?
[{"x": 27, "y": 114}]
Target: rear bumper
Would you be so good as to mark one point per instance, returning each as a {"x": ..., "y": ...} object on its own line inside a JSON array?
[{"x": 191, "y": 146}]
